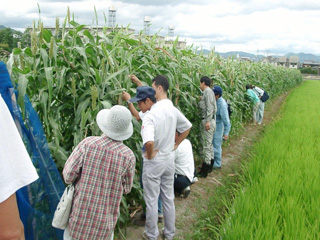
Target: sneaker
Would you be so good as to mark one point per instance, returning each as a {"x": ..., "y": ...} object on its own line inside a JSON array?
[
  {"x": 163, "y": 237},
  {"x": 144, "y": 236},
  {"x": 186, "y": 192},
  {"x": 194, "y": 180}
]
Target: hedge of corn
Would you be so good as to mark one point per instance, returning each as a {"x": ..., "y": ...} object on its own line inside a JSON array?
[{"x": 71, "y": 75}]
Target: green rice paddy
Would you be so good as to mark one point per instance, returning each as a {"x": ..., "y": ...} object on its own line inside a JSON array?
[{"x": 278, "y": 194}]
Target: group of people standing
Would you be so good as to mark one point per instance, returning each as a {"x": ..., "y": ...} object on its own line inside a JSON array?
[
  {"x": 101, "y": 164},
  {"x": 215, "y": 125},
  {"x": 103, "y": 167},
  {"x": 255, "y": 95}
]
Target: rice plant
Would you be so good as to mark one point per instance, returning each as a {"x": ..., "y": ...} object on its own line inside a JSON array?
[{"x": 279, "y": 192}]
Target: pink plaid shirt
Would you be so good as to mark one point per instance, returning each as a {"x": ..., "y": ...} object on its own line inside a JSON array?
[{"x": 105, "y": 169}]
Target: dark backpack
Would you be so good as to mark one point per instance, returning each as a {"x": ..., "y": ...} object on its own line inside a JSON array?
[
  {"x": 230, "y": 111},
  {"x": 264, "y": 97}
]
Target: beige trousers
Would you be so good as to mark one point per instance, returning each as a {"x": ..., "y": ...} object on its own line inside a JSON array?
[{"x": 207, "y": 136}]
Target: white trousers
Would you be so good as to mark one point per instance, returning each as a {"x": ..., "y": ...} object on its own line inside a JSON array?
[
  {"x": 260, "y": 112},
  {"x": 158, "y": 178},
  {"x": 255, "y": 111}
]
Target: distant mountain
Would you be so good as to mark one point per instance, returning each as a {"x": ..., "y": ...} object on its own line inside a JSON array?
[
  {"x": 241, "y": 54},
  {"x": 304, "y": 56},
  {"x": 13, "y": 30},
  {"x": 235, "y": 54}
]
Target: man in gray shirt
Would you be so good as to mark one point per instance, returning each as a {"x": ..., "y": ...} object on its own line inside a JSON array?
[{"x": 208, "y": 108}]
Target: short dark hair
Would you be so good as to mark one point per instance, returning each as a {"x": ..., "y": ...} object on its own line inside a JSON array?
[
  {"x": 248, "y": 86},
  {"x": 206, "y": 80},
  {"x": 162, "y": 81},
  {"x": 152, "y": 98}
]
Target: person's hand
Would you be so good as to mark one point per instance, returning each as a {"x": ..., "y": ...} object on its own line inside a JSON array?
[
  {"x": 175, "y": 147},
  {"x": 153, "y": 154},
  {"x": 126, "y": 96},
  {"x": 225, "y": 137},
  {"x": 207, "y": 126},
  {"x": 135, "y": 80}
]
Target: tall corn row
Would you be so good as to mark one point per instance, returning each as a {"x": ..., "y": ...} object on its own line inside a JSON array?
[{"x": 71, "y": 75}]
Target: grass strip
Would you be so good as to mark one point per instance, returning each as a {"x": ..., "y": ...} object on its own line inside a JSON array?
[{"x": 278, "y": 193}]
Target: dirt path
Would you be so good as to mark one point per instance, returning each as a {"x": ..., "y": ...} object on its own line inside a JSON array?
[{"x": 187, "y": 209}]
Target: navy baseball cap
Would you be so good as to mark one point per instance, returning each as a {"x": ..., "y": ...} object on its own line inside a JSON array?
[
  {"x": 143, "y": 93},
  {"x": 217, "y": 90}
]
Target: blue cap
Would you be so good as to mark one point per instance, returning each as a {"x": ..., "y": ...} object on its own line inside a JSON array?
[
  {"x": 217, "y": 90},
  {"x": 143, "y": 93}
]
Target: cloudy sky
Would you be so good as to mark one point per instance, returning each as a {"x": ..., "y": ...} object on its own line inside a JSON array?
[{"x": 268, "y": 27}]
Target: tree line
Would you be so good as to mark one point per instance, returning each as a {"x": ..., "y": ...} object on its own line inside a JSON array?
[{"x": 9, "y": 39}]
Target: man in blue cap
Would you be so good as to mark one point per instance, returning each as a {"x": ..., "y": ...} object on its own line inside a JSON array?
[
  {"x": 145, "y": 98},
  {"x": 223, "y": 126}
]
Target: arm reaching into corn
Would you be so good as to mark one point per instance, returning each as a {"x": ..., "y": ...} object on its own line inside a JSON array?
[
  {"x": 135, "y": 80},
  {"x": 126, "y": 96}
]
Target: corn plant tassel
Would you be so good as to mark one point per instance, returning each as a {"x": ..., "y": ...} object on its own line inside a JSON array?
[
  {"x": 94, "y": 96},
  {"x": 51, "y": 47},
  {"x": 68, "y": 16},
  {"x": 34, "y": 42},
  {"x": 57, "y": 27},
  {"x": 41, "y": 33}
]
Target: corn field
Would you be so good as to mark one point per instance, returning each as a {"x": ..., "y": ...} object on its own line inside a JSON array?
[{"x": 71, "y": 75}]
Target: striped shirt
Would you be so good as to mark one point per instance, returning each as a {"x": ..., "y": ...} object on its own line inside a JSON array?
[{"x": 104, "y": 170}]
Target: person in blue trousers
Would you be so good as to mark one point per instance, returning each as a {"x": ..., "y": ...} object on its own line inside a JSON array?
[{"x": 223, "y": 126}]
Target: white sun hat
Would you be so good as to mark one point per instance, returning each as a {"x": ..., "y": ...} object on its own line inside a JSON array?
[{"x": 115, "y": 122}]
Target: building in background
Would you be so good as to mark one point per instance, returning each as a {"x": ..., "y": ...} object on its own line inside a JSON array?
[
  {"x": 112, "y": 21},
  {"x": 293, "y": 62},
  {"x": 146, "y": 25},
  {"x": 161, "y": 41},
  {"x": 269, "y": 60}
]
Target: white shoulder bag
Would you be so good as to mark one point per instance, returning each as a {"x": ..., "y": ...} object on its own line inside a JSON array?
[{"x": 62, "y": 213}]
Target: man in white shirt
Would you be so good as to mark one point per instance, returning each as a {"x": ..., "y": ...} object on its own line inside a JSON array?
[
  {"x": 184, "y": 167},
  {"x": 158, "y": 135},
  {"x": 145, "y": 98}
]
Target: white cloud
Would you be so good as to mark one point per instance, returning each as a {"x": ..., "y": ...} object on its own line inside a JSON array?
[{"x": 277, "y": 26}]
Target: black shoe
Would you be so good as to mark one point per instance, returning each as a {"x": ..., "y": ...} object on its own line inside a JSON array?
[
  {"x": 211, "y": 165},
  {"x": 198, "y": 174},
  {"x": 185, "y": 192},
  {"x": 205, "y": 170}
]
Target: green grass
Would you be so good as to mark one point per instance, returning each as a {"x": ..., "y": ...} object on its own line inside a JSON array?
[{"x": 278, "y": 194}]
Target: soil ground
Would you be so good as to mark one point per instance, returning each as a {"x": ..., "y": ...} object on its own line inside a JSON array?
[{"x": 188, "y": 209}]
